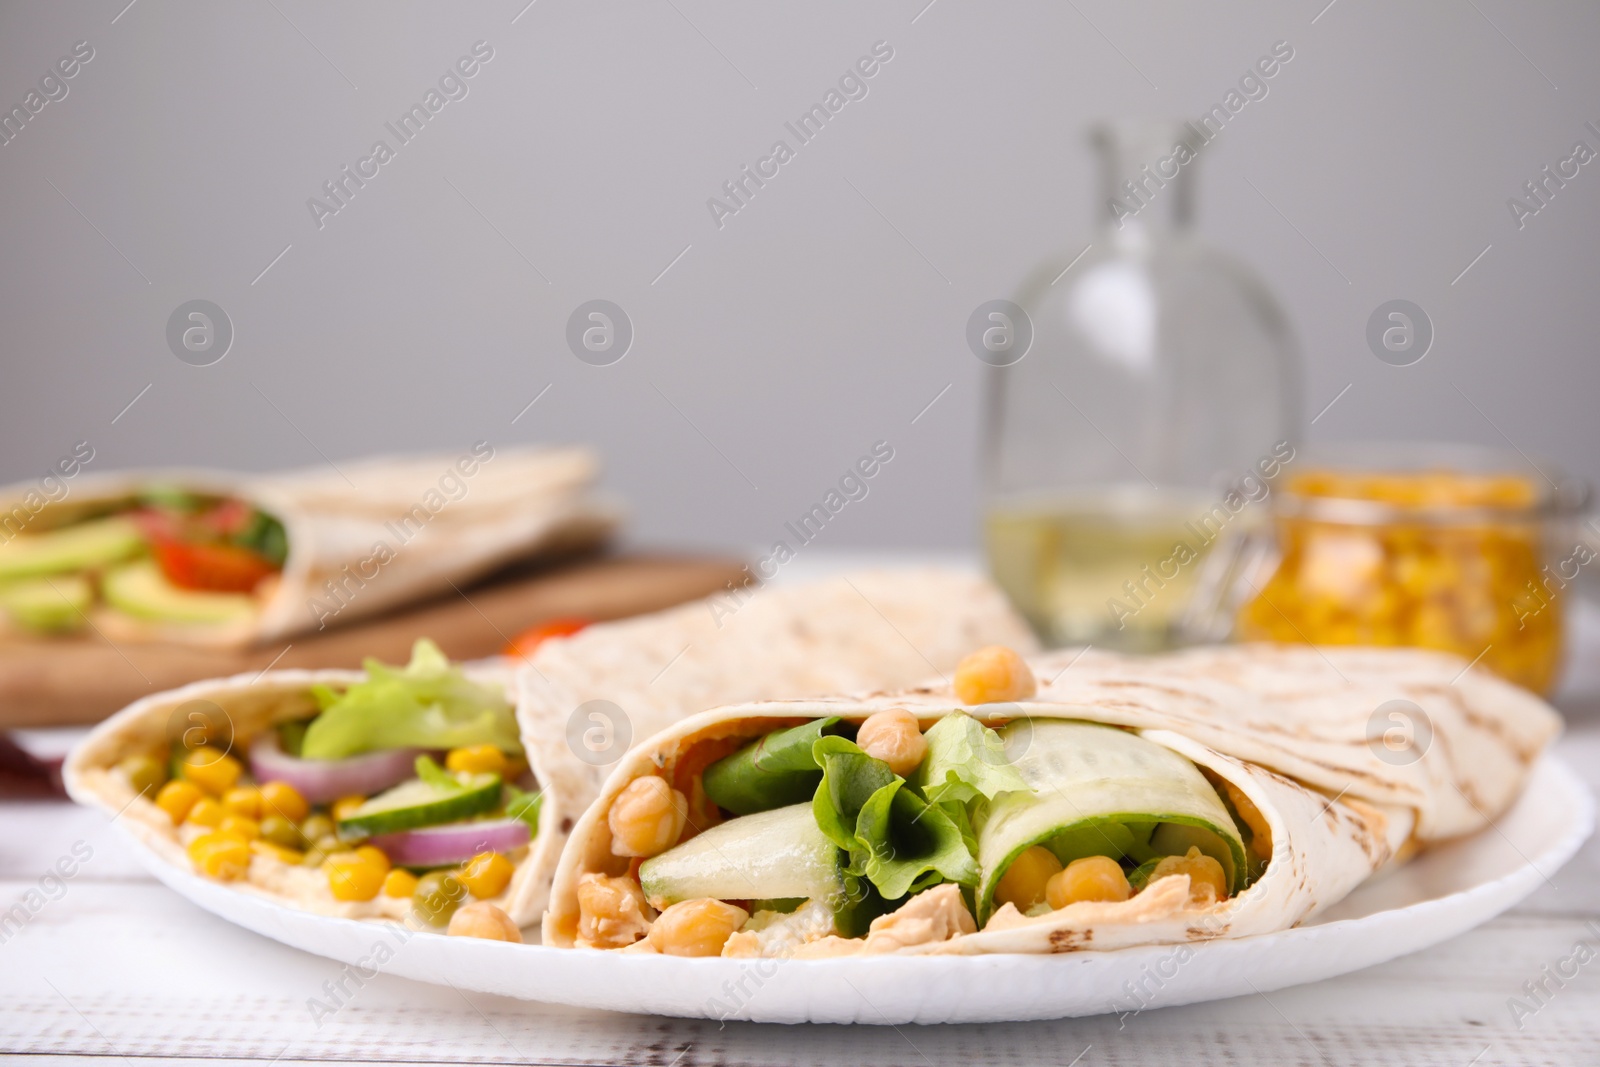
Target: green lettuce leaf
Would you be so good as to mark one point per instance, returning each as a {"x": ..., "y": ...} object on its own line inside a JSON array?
[
  {"x": 850, "y": 778},
  {"x": 896, "y": 840},
  {"x": 427, "y": 704},
  {"x": 524, "y": 806},
  {"x": 909, "y": 844},
  {"x": 965, "y": 760},
  {"x": 774, "y": 772}
]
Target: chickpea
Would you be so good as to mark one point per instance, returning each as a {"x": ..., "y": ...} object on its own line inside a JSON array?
[
  {"x": 482, "y": 919},
  {"x": 646, "y": 818},
  {"x": 1088, "y": 878},
  {"x": 994, "y": 675},
  {"x": 1025, "y": 880},
  {"x": 1207, "y": 881},
  {"x": 612, "y": 912},
  {"x": 1260, "y": 831},
  {"x": 894, "y": 737},
  {"x": 696, "y": 927}
]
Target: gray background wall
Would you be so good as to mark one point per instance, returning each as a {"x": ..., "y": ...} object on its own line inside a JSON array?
[{"x": 824, "y": 316}]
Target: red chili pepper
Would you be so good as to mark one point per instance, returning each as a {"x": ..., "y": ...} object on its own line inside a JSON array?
[
  {"x": 524, "y": 644},
  {"x": 214, "y": 568}
]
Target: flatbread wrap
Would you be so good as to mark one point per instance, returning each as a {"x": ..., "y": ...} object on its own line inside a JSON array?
[
  {"x": 226, "y": 560},
  {"x": 624, "y": 681},
  {"x": 1214, "y": 793},
  {"x": 337, "y": 792}
]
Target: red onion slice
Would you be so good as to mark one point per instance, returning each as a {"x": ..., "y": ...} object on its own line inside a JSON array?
[
  {"x": 321, "y": 781},
  {"x": 436, "y": 846}
]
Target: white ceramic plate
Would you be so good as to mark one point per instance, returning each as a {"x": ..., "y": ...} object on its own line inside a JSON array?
[{"x": 1443, "y": 893}]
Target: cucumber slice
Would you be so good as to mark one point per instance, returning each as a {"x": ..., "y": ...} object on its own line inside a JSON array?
[
  {"x": 772, "y": 855},
  {"x": 420, "y": 802},
  {"x": 1102, "y": 791}
]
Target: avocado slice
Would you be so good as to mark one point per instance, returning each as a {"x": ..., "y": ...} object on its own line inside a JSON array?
[
  {"x": 72, "y": 548},
  {"x": 48, "y": 605},
  {"x": 141, "y": 590}
]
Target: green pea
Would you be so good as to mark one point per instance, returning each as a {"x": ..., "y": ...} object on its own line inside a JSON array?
[
  {"x": 281, "y": 831},
  {"x": 145, "y": 773},
  {"x": 437, "y": 896},
  {"x": 316, "y": 827}
]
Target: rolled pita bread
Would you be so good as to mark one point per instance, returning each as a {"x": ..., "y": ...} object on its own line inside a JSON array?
[
  {"x": 1291, "y": 731},
  {"x": 627, "y": 680},
  {"x": 398, "y": 530}
]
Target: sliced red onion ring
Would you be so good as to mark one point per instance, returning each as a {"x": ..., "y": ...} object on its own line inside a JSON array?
[
  {"x": 436, "y": 846},
  {"x": 321, "y": 781}
]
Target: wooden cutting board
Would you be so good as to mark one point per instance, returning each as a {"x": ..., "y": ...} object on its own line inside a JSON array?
[{"x": 82, "y": 679}]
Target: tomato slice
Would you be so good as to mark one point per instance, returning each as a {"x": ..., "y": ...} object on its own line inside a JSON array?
[
  {"x": 214, "y": 568},
  {"x": 524, "y": 644}
]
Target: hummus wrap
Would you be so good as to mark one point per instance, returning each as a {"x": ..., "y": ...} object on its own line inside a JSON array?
[
  {"x": 226, "y": 560},
  {"x": 1214, "y": 793},
  {"x": 624, "y": 681}
]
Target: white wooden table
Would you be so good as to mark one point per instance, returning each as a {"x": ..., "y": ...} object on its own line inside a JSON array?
[{"x": 117, "y": 966}]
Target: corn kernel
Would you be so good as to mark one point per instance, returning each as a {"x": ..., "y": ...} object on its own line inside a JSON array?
[
  {"x": 1090, "y": 878},
  {"x": 285, "y": 799},
  {"x": 1024, "y": 882},
  {"x": 243, "y": 800},
  {"x": 207, "y": 812},
  {"x": 215, "y": 772},
  {"x": 375, "y": 856},
  {"x": 482, "y": 919},
  {"x": 344, "y": 807},
  {"x": 696, "y": 927},
  {"x": 352, "y": 876},
  {"x": 476, "y": 759},
  {"x": 220, "y": 856},
  {"x": 399, "y": 882},
  {"x": 1471, "y": 586},
  {"x": 994, "y": 675},
  {"x": 240, "y": 826},
  {"x": 177, "y": 799},
  {"x": 486, "y": 875}
]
